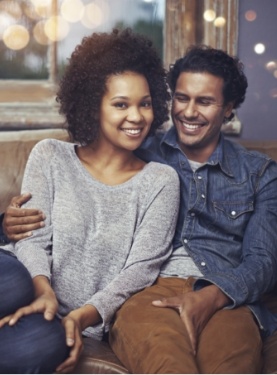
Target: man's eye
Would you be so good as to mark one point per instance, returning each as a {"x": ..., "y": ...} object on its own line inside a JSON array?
[
  {"x": 181, "y": 99},
  {"x": 205, "y": 102}
]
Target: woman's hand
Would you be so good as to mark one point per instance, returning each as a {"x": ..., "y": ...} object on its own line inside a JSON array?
[
  {"x": 74, "y": 323},
  {"x": 45, "y": 303}
]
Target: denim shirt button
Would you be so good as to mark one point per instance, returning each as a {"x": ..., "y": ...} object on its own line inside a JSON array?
[
  {"x": 203, "y": 196},
  {"x": 185, "y": 240},
  {"x": 192, "y": 214},
  {"x": 233, "y": 213},
  {"x": 203, "y": 264}
]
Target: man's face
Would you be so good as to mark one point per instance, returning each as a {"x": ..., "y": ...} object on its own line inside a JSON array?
[{"x": 198, "y": 113}]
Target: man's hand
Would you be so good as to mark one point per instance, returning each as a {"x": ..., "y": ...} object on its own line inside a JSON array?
[
  {"x": 19, "y": 222},
  {"x": 196, "y": 308}
]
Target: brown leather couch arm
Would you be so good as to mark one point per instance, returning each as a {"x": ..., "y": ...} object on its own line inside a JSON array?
[{"x": 98, "y": 358}]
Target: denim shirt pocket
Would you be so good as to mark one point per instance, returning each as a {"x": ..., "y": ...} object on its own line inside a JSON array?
[{"x": 233, "y": 215}]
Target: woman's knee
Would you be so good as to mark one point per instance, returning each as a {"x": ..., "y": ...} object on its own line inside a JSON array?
[{"x": 16, "y": 285}]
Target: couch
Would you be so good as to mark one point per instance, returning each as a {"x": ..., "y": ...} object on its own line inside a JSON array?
[{"x": 97, "y": 357}]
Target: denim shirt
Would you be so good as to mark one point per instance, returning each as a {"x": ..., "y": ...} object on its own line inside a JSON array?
[{"x": 227, "y": 219}]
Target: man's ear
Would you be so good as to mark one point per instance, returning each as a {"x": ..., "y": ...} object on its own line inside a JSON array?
[{"x": 228, "y": 109}]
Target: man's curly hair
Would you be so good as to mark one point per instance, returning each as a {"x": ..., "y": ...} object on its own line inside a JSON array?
[
  {"x": 95, "y": 59},
  {"x": 201, "y": 59}
]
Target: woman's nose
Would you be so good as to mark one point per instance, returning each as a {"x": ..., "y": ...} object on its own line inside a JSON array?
[{"x": 134, "y": 114}]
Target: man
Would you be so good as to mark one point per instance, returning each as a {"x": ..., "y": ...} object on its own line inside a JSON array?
[{"x": 203, "y": 315}]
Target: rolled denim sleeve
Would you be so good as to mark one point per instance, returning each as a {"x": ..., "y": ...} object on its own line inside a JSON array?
[{"x": 257, "y": 272}]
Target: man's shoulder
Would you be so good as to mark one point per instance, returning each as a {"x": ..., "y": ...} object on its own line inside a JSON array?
[{"x": 240, "y": 156}]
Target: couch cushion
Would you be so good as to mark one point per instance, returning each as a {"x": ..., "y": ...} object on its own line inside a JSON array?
[{"x": 15, "y": 147}]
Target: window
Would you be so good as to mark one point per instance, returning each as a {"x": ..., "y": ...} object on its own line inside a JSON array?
[
  {"x": 257, "y": 48},
  {"x": 37, "y": 37}
]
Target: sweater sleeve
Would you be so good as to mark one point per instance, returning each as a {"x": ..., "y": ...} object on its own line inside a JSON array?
[
  {"x": 150, "y": 248},
  {"x": 35, "y": 251}
]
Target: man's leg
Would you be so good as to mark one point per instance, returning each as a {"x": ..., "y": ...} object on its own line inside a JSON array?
[
  {"x": 148, "y": 339},
  {"x": 270, "y": 343},
  {"x": 230, "y": 344}
]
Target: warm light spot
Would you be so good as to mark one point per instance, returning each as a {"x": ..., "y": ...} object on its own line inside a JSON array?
[
  {"x": 16, "y": 37},
  {"x": 39, "y": 33},
  {"x": 93, "y": 16},
  {"x": 56, "y": 28},
  {"x": 5, "y": 21},
  {"x": 259, "y": 48},
  {"x": 12, "y": 8},
  {"x": 42, "y": 3},
  {"x": 72, "y": 10},
  {"x": 271, "y": 66},
  {"x": 250, "y": 15},
  {"x": 219, "y": 22},
  {"x": 209, "y": 15},
  {"x": 275, "y": 73},
  {"x": 43, "y": 7},
  {"x": 31, "y": 12},
  {"x": 273, "y": 93}
]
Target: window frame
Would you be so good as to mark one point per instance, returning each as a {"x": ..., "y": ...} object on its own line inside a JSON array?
[{"x": 32, "y": 105}]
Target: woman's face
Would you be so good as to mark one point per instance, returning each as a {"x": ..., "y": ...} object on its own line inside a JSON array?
[{"x": 126, "y": 112}]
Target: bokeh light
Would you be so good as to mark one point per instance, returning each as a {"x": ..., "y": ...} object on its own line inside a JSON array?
[
  {"x": 56, "y": 28},
  {"x": 72, "y": 10},
  {"x": 271, "y": 66},
  {"x": 93, "y": 16},
  {"x": 43, "y": 7},
  {"x": 12, "y": 8},
  {"x": 250, "y": 15},
  {"x": 220, "y": 22},
  {"x": 16, "y": 37},
  {"x": 259, "y": 48},
  {"x": 6, "y": 20},
  {"x": 39, "y": 33},
  {"x": 209, "y": 15}
]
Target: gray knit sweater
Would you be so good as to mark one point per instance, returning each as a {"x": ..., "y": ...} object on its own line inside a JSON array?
[{"x": 101, "y": 243}]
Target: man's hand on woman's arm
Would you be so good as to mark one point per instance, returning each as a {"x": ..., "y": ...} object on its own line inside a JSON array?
[{"x": 19, "y": 222}]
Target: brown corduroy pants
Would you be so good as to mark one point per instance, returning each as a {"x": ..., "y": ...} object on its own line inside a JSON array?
[{"x": 150, "y": 340}]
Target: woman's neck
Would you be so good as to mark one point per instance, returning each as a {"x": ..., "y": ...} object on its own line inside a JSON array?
[{"x": 111, "y": 167}]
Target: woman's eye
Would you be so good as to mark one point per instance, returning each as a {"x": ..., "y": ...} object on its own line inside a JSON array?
[
  {"x": 120, "y": 105},
  {"x": 146, "y": 104}
]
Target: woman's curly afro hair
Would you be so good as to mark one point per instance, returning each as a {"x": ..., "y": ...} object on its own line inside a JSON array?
[
  {"x": 92, "y": 62},
  {"x": 200, "y": 59}
]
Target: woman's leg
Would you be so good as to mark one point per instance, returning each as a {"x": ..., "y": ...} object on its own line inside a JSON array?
[
  {"x": 33, "y": 344},
  {"x": 16, "y": 284}
]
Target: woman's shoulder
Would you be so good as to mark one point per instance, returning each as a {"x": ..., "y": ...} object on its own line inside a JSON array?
[
  {"x": 162, "y": 172},
  {"x": 52, "y": 146}
]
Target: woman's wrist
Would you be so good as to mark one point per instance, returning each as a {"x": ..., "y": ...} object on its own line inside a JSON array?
[{"x": 85, "y": 316}]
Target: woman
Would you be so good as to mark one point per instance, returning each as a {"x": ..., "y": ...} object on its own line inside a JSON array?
[{"x": 110, "y": 217}]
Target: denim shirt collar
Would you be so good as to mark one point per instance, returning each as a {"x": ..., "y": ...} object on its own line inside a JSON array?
[{"x": 219, "y": 156}]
